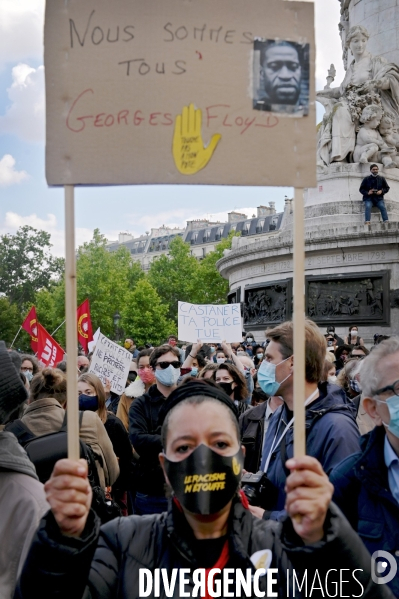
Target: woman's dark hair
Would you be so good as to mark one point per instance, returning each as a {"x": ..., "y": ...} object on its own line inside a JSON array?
[
  {"x": 143, "y": 354},
  {"x": 339, "y": 351},
  {"x": 161, "y": 351},
  {"x": 49, "y": 382},
  {"x": 353, "y": 326},
  {"x": 62, "y": 366},
  {"x": 241, "y": 391},
  {"x": 201, "y": 359},
  {"x": 33, "y": 360},
  {"x": 255, "y": 351}
]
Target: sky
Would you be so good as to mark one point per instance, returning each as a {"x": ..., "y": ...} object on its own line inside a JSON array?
[{"x": 25, "y": 198}]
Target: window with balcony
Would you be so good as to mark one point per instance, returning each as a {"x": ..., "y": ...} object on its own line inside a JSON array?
[
  {"x": 259, "y": 225},
  {"x": 219, "y": 234},
  {"x": 246, "y": 227},
  {"x": 207, "y": 236}
]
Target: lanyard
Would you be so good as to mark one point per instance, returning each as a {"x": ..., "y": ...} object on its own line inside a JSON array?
[{"x": 275, "y": 443}]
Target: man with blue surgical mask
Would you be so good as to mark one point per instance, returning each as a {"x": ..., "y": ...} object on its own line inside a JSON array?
[
  {"x": 332, "y": 433},
  {"x": 145, "y": 434},
  {"x": 367, "y": 483}
]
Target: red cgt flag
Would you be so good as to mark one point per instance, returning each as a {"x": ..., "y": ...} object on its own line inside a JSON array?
[
  {"x": 49, "y": 352},
  {"x": 30, "y": 326},
  {"x": 85, "y": 330}
]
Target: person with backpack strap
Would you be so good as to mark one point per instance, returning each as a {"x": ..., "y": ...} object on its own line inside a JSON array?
[
  {"x": 45, "y": 414},
  {"x": 92, "y": 397},
  {"x": 22, "y": 497}
]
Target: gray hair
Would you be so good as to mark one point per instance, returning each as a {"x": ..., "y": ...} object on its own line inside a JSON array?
[
  {"x": 370, "y": 378},
  {"x": 355, "y": 30}
]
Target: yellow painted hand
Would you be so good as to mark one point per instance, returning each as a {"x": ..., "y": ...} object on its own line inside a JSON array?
[{"x": 189, "y": 153}]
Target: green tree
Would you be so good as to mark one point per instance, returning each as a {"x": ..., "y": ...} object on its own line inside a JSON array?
[
  {"x": 174, "y": 277},
  {"x": 211, "y": 287},
  {"x": 10, "y": 320},
  {"x": 102, "y": 276},
  {"x": 26, "y": 265},
  {"x": 146, "y": 316},
  {"x": 46, "y": 308}
]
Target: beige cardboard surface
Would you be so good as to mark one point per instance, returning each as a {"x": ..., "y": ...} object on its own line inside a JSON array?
[{"x": 161, "y": 91}]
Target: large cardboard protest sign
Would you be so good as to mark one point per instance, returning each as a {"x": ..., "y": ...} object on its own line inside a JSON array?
[
  {"x": 178, "y": 91},
  {"x": 209, "y": 322},
  {"x": 110, "y": 361}
]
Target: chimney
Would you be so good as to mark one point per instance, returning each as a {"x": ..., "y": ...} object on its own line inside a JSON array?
[
  {"x": 235, "y": 217},
  {"x": 262, "y": 211}
]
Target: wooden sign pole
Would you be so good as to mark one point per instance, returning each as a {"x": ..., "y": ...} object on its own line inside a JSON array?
[
  {"x": 71, "y": 329},
  {"x": 299, "y": 325}
]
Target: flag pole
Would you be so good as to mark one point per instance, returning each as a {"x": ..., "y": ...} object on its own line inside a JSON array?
[
  {"x": 71, "y": 331},
  {"x": 299, "y": 324},
  {"x": 19, "y": 330},
  {"x": 63, "y": 322}
]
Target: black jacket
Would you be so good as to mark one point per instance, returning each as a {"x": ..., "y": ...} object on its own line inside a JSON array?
[
  {"x": 145, "y": 436},
  {"x": 372, "y": 182},
  {"x": 106, "y": 563},
  {"x": 362, "y": 492},
  {"x": 252, "y": 430},
  {"x": 122, "y": 449},
  {"x": 113, "y": 406}
]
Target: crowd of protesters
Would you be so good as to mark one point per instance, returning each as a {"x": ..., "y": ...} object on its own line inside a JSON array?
[{"x": 199, "y": 411}]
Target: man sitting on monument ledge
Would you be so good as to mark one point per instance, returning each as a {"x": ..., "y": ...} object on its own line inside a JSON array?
[{"x": 373, "y": 189}]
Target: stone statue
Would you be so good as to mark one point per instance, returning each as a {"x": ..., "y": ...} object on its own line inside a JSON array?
[
  {"x": 368, "y": 80},
  {"x": 343, "y": 27},
  {"x": 370, "y": 146},
  {"x": 390, "y": 134}
]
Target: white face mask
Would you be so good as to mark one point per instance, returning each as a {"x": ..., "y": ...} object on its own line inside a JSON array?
[{"x": 332, "y": 379}]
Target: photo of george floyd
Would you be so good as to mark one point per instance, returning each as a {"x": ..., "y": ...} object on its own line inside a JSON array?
[{"x": 281, "y": 77}]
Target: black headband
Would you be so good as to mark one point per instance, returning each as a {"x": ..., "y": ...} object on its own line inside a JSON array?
[{"x": 191, "y": 388}]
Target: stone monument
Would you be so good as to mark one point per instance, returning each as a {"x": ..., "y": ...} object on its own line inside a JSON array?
[{"x": 352, "y": 269}]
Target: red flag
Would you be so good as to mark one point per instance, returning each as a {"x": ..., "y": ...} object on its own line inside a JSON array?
[
  {"x": 49, "y": 352},
  {"x": 85, "y": 330},
  {"x": 30, "y": 326}
]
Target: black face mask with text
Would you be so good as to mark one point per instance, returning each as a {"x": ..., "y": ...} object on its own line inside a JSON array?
[{"x": 205, "y": 481}]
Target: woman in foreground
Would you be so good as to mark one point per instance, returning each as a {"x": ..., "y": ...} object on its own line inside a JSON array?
[{"x": 207, "y": 525}]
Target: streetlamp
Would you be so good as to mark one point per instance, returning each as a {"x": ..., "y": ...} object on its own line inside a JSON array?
[{"x": 117, "y": 318}]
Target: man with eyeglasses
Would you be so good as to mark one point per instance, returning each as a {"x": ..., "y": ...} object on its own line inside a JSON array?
[
  {"x": 367, "y": 482},
  {"x": 145, "y": 434}
]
